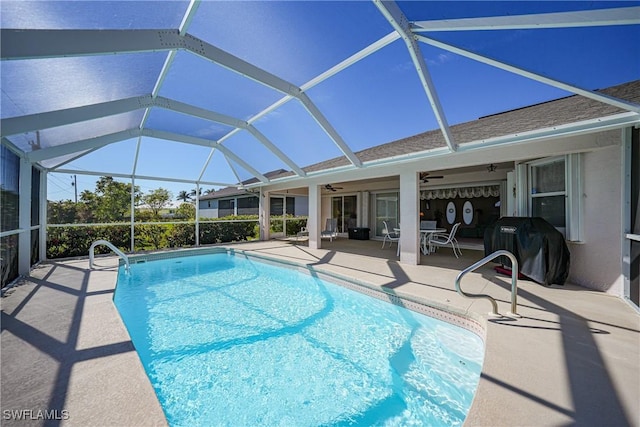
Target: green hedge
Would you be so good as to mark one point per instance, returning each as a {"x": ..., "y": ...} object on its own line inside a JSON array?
[
  {"x": 68, "y": 241},
  {"x": 63, "y": 242}
]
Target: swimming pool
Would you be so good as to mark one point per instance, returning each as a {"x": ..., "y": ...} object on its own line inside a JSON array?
[{"x": 227, "y": 340}]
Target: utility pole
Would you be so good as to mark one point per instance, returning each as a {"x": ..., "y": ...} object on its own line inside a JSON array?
[{"x": 74, "y": 184}]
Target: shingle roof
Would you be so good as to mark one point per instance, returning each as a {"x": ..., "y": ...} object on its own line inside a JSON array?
[
  {"x": 561, "y": 111},
  {"x": 235, "y": 191}
]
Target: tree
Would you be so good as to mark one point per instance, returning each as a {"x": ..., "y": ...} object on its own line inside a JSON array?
[
  {"x": 157, "y": 199},
  {"x": 193, "y": 192},
  {"x": 110, "y": 202},
  {"x": 184, "y": 196},
  {"x": 62, "y": 212},
  {"x": 186, "y": 211}
]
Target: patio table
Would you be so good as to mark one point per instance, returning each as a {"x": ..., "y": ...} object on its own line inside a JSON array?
[
  {"x": 424, "y": 238},
  {"x": 425, "y": 234}
]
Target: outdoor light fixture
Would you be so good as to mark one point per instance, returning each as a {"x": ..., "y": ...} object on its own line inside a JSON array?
[{"x": 492, "y": 167}]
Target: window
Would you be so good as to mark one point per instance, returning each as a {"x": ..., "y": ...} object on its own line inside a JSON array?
[
  {"x": 226, "y": 208},
  {"x": 248, "y": 205},
  {"x": 554, "y": 193},
  {"x": 9, "y": 215},
  {"x": 277, "y": 206},
  {"x": 548, "y": 192}
]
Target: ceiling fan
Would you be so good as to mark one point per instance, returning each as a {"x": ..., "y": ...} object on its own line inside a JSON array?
[
  {"x": 331, "y": 187},
  {"x": 425, "y": 177}
]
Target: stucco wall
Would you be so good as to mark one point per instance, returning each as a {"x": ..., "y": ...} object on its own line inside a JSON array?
[
  {"x": 596, "y": 263},
  {"x": 208, "y": 213}
]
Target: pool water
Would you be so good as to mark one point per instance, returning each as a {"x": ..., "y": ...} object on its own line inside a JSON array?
[{"x": 230, "y": 341}]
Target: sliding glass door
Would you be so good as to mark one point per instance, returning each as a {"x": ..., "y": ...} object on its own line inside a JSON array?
[
  {"x": 386, "y": 208},
  {"x": 345, "y": 209}
]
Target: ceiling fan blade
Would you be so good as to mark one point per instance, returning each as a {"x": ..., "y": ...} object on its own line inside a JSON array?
[{"x": 425, "y": 177}]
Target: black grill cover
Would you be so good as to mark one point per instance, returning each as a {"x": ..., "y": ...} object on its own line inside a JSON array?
[{"x": 540, "y": 249}]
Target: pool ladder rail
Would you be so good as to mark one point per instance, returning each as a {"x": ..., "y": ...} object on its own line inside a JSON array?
[
  {"x": 113, "y": 248},
  {"x": 514, "y": 282}
]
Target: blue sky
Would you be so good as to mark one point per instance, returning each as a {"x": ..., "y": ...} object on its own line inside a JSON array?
[{"x": 376, "y": 100}]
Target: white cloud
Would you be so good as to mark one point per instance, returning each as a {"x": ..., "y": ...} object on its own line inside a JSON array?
[{"x": 440, "y": 59}]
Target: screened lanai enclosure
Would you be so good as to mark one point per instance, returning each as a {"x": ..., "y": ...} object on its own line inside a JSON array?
[{"x": 114, "y": 112}]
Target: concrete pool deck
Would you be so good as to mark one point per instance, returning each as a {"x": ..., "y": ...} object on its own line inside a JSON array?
[{"x": 572, "y": 359}]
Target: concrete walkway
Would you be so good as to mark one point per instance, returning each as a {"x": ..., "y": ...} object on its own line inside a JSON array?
[{"x": 572, "y": 359}]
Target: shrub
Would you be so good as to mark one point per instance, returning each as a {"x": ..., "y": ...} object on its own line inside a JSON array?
[{"x": 63, "y": 242}]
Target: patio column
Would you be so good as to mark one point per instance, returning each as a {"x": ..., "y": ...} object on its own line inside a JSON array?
[
  {"x": 43, "y": 216},
  {"x": 409, "y": 218},
  {"x": 315, "y": 216},
  {"x": 24, "y": 218}
]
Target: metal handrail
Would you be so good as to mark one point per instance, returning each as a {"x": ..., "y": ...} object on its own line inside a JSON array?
[
  {"x": 113, "y": 248},
  {"x": 514, "y": 282}
]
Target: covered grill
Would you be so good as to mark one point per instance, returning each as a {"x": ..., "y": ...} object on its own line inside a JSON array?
[{"x": 540, "y": 249}]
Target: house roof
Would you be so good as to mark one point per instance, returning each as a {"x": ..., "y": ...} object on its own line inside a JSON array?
[
  {"x": 555, "y": 113},
  {"x": 238, "y": 190}
]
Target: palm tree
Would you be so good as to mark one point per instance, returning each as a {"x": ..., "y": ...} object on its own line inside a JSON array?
[
  {"x": 192, "y": 193},
  {"x": 184, "y": 196}
]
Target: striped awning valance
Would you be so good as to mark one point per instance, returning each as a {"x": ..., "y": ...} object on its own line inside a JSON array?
[{"x": 463, "y": 192}]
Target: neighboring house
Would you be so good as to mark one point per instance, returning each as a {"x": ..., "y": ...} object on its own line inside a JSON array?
[
  {"x": 239, "y": 201},
  {"x": 573, "y": 161}
]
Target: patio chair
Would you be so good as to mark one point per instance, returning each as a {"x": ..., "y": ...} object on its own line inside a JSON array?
[
  {"x": 441, "y": 239},
  {"x": 331, "y": 229},
  {"x": 304, "y": 232},
  {"x": 389, "y": 234}
]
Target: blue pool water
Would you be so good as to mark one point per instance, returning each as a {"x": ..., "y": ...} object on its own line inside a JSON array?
[{"x": 230, "y": 341}]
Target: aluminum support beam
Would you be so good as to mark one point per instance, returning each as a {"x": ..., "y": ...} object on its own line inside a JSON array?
[
  {"x": 372, "y": 48},
  {"x": 169, "y": 136},
  {"x": 144, "y": 177},
  {"x": 55, "y": 43},
  {"x": 11, "y": 146},
  {"x": 42, "y": 208},
  {"x": 620, "y": 103},
  {"x": 24, "y": 217},
  {"x": 328, "y": 128},
  {"x": 71, "y": 159},
  {"x": 197, "y": 215},
  {"x": 32, "y": 122},
  {"x": 275, "y": 150},
  {"x": 191, "y": 110},
  {"x": 85, "y": 144},
  {"x": 71, "y": 115},
  {"x": 583, "y": 18},
  {"x": 396, "y": 18},
  {"x": 34, "y": 44},
  {"x": 132, "y": 229}
]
